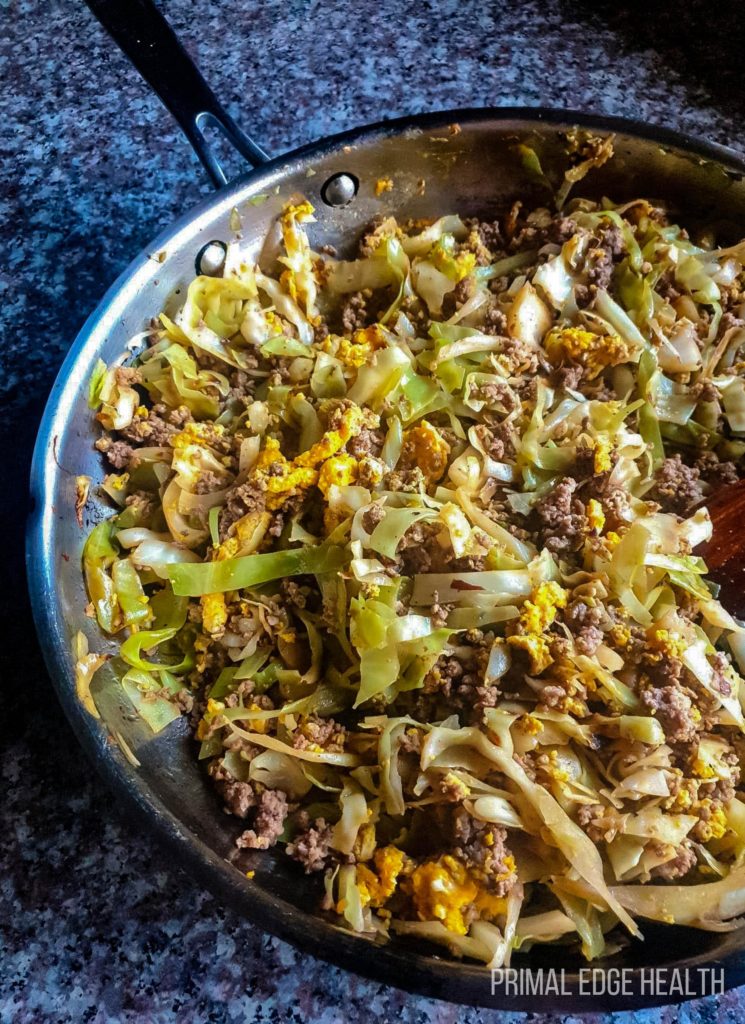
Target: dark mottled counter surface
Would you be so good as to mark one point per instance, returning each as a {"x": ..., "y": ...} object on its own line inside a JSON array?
[{"x": 95, "y": 924}]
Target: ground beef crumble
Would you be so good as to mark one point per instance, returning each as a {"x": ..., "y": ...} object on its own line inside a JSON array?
[
  {"x": 677, "y": 487},
  {"x": 680, "y": 865},
  {"x": 354, "y": 313},
  {"x": 367, "y": 442},
  {"x": 481, "y": 845},
  {"x": 714, "y": 471},
  {"x": 323, "y": 733},
  {"x": 561, "y": 517},
  {"x": 599, "y": 821},
  {"x": 584, "y": 621},
  {"x": 120, "y": 454},
  {"x": 239, "y": 798},
  {"x": 673, "y": 709},
  {"x": 311, "y": 846},
  {"x": 268, "y": 822}
]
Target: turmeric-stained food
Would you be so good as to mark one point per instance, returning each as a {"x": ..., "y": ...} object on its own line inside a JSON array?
[{"x": 411, "y": 539}]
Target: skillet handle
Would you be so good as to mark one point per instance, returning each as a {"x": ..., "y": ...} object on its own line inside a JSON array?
[{"x": 150, "y": 43}]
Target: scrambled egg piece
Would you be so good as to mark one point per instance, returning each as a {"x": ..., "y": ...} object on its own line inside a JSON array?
[
  {"x": 248, "y": 533},
  {"x": 197, "y": 433},
  {"x": 353, "y": 420},
  {"x": 529, "y": 725},
  {"x": 273, "y": 322},
  {"x": 595, "y": 515},
  {"x": 445, "y": 890},
  {"x": 281, "y": 479},
  {"x": 425, "y": 448},
  {"x": 539, "y": 611},
  {"x": 553, "y": 769},
  {"x": 593, "y": 351},
  {"x": 702, "y": 769},
  {"x": 256, "y": 725},
  {"x": 456, "y": 266},
  {"x": 214, "y": 612},
  {"x": 536, "y": 647},
  {"x": 280, "y": 488},
  {"x": 372, "y": 470},
  {"x": 116, "y": 480},
  {"x": 661, "y": 643},
  {"x": 442, "y": 891},
  {"x": 383, "y": 185},
  {"x": 715, "y": 826},
  {"x": 357, "y": 350},
  {"x": 455, "y": 787},
  {"x": 214, "y": 708},
  {"x": 377, "y": 889},
  {"x": 612, "y": 540},
  {"x": 489, "y": 905},
  {"x": 339, "y": 470},
  {"x": 541, "y": 608},
  {"x": 684, "y": 798},
  {"x": 620, "y": 634},
  {"x": 297, "y": 213},
  {"x": 602, "y": 458}
]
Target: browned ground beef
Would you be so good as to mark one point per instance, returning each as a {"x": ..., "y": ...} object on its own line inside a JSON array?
[
  {"x": 311, "y": 847},
  {"x": 241, "y": 386},
  {"x": 319, "y": 732},
  {"x": 268, "y": 822},
  {"x": 715, "y": 472},
  {"x": 354, "y": 313},
  {"x": 440, "y": 679},
  {"x": 615, "y": 502},
  {"x": 374, "y": 233},
  {"x": 367, "y": 442},
  {"x": 560, "y": 230},
  {"x": 584, "y": 622},
  {"x": 599, "y": 269},
  {"x": 680, "y": 865},
  {"x": 599, "y": 821},
  {"x": 481, "y": 845},
  {"x": 562, "y": 517},
  {"x": 720, "y": 680},
  {"x": 495, "y": 321},
  {"x": 239, "y": 798},
  {"x": 209, "y": 481},
  {"x": 420, "y": 551},
  {"x": 672, "y": 707},
  {"x": 568, "y": 376},
  {"x": 118, "y": 453},
  {"x": 239, "y": 501},
  {"x": 490, "y": 233},
  {"x": 677, "y": 487},
  {"x": 462, "y": 291},
  {"x": 407, "y": 480},
  {"x": 159, "y": 426}
]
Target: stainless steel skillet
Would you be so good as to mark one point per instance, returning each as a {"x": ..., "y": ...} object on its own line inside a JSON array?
[{"x": 436, "y": 167}]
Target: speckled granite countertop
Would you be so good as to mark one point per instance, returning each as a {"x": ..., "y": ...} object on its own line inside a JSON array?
[{"x": 95, "y": 924}]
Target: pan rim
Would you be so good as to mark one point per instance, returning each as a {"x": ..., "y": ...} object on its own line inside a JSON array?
[{"x": 424, "y": 975}]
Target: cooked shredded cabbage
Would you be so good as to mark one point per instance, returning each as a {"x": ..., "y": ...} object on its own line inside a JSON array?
[{"x": 411, "y": 538}]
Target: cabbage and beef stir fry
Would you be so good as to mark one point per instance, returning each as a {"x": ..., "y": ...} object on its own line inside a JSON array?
[{"x": 411, "y": 540}]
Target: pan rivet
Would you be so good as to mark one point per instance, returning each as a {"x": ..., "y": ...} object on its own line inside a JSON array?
[
  {"x": 211, "y": 259},
  {"x": 340, "y": 189}
]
